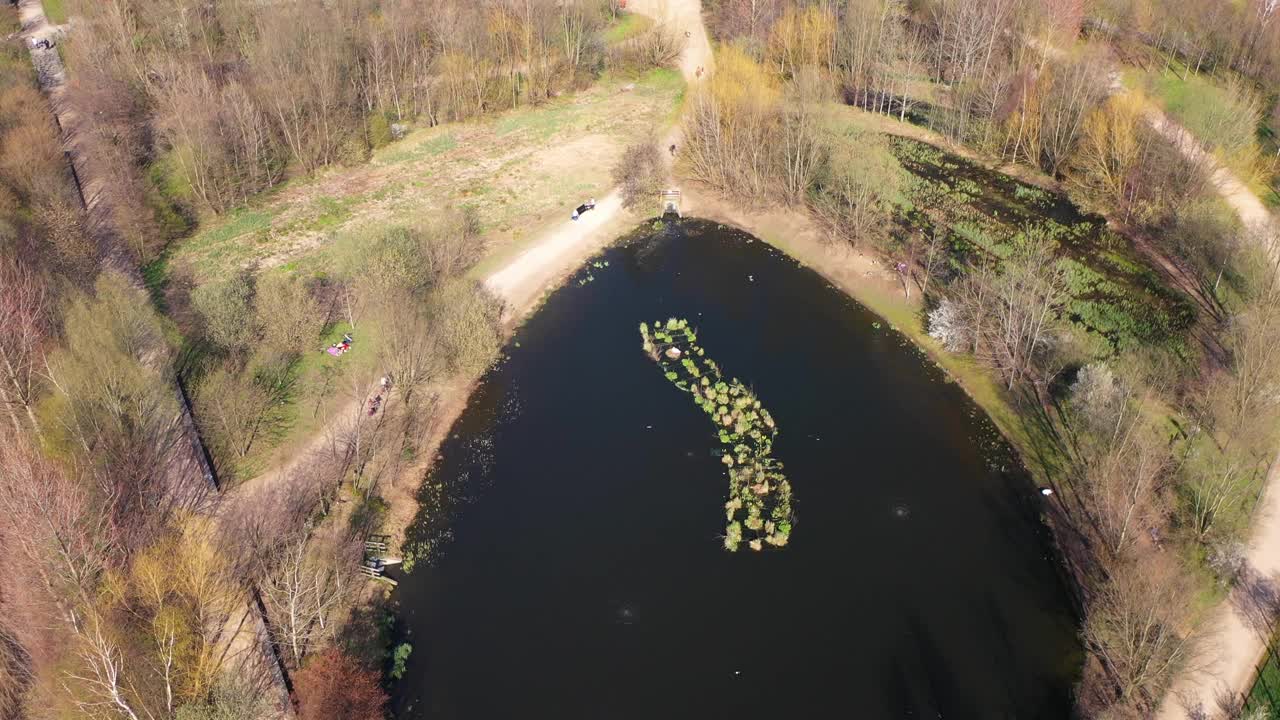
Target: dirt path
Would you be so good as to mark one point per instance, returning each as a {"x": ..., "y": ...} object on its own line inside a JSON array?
[
  {"x": 1236, "y": 644},
  {"x": 1253, "y": 213},
  {"x": 528, "y": 275},
  {"x": 246, "y": 651},
  {"x": 1242, "y": 200},
  {"x": 682, "y": 16},
  {"x": 188, "y": 468}
]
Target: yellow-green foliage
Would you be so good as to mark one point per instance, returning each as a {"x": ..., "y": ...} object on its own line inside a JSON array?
[
  {"x": 110, "y": 374},
  {"x": 166, "y": 614}
]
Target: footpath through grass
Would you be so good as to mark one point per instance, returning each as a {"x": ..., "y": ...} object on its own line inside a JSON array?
[
  {"x": 1204, "y": 103},
  {"x": 519, "y": 170}
]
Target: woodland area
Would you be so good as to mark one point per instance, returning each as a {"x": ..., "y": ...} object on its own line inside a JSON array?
[
  {"x": 202, "y": 105},
  {"x": 1157, "y": 434},
  {"x": 130, "y": 585},
  {"x": 127, "y": 586}
]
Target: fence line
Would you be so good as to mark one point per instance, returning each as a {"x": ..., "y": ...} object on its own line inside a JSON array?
[{"x": 50, "y": 75}]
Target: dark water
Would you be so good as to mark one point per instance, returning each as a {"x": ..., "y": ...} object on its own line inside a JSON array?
[{"x": 585, "y": 577}]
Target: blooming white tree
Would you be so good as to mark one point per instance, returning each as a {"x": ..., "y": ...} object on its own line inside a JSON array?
[
  {"x": 1099, "y": 398},
  {"x": 947, "y": 326}
]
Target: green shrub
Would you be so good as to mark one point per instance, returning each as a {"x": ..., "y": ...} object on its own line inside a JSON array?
[
  {"x": 400, "y": 657},
  {"x": 379, "y": 130}
]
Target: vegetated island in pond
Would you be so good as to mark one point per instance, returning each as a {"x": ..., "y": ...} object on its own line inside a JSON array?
[{"x": 759, "y": 494}]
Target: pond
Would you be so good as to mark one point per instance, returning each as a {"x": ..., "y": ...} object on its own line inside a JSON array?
[{"x": 576, "y": 519}]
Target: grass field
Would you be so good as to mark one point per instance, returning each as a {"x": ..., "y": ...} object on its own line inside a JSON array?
[
  {"x": 1266, "y": 689},
  {"x": 628, "y": 26},
  {"x": 55, "y": 11},
  {"x": 1193, "y": 100},
  {"x": 519, "y": 170}
]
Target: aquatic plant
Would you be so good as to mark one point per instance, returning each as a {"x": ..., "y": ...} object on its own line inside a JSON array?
[
  {"x": 399, "y": 657},
  {"x": 759, "y": 506}
]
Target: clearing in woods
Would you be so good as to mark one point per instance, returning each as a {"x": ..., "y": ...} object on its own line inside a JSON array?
[{"x": 521, "y": 170}]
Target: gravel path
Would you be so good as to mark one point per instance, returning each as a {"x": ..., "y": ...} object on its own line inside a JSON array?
[
  {"x": 1236, "y": 642},
  {"x": 523, "y": 280}
]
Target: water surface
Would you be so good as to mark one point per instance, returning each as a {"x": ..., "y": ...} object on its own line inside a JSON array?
[{"x": 580, "y": 571}]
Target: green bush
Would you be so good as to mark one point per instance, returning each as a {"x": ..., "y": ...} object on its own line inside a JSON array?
[
  {"x": 379, "y": 129},
  {"x": 399, "y": 657}
]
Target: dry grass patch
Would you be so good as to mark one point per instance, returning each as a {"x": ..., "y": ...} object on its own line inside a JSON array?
[{"x": 519, "y": 171}]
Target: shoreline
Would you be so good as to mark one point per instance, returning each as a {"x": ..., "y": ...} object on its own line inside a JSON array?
[
  {"x": 858, "y": 276},
  {"x": 865, "y": 280}
]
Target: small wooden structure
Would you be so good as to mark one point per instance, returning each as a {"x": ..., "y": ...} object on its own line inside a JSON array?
[
  {"x": 670, "y": 202},
  {"x": 373, "y": 568},
  {"x": 374, "y": 561}
]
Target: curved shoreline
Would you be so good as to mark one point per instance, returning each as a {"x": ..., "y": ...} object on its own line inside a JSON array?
[
  {"x": 805, "y": 247},
  {"x": 489, "y": 403}
]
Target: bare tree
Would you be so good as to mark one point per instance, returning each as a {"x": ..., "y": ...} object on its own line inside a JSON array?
[
  {"x": 304, "y": 81},
  {"x": 226, "y": 312},
  {"x": 253, "y": 521},
  {"x": 578, "y": 20},
  {"x": 235, "y": 410},
  {"x": 31, "y": 161},
  {"x": 1141, "y": 626},
  {"x": 57, "y": 526},
  {"x": 868, "y": 42},
  {"x": 969, "y": 38},
  {"x": 915, "y": 57},
  {"x": 1246, "y": 394},
  {"x": 116, "y": 408},
  {"x": 1124, "y": 486},
  {"x": 658, "y": 46},
  {"x": 1110, "y": 149},
  {"x": 749, "y": 20},
  {"x": 16, "y": 674},
  {"x": 1217, "y": 492},
  {"x": 1010, "y": 311},
  {"x": 640, "y": 174},
  {"x": 104, "y": 680},
  {"x": 289, "y": 314},
  {"x": 856, "y": 189},
  {"x": 728, "y": 133},
  {"x": 803, "y": 147},
  {"x": 303, "y": 588},
  {"x": 465, "y": 317},
  {"x": 334, "y": 686},
  {"x": 410, "y": 352},
  {"x": 24, "y": 313},
  {"x": 1074, "y": 89}
]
